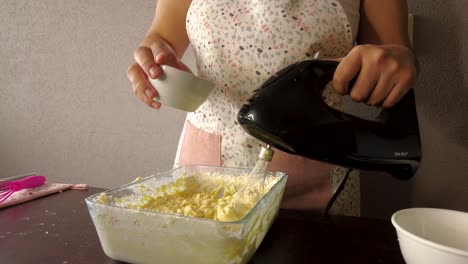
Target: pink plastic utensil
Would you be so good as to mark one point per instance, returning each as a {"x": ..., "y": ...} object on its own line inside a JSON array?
[{"x": 18, "y": 185}]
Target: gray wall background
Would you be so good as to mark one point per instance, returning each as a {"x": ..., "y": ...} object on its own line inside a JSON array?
[
  {"x": 67, "y": 110},
  {"x": 441, "y": 44}
]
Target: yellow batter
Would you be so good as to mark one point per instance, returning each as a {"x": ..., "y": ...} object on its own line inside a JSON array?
[{"x": 212, "y": 197}]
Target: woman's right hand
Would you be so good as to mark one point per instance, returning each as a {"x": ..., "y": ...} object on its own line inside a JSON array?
[{"x": 154, "y": 51}]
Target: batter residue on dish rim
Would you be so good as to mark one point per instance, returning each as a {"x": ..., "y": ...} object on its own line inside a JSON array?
[{"x": 208, "y": 195}]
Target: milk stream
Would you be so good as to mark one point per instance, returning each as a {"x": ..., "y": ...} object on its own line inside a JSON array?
[
  {"x": 253, "y": 185},
  {"x": 258, "y": 173}
]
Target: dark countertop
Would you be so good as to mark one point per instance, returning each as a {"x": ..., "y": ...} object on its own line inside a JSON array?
[{"x": 58, "y": 229}]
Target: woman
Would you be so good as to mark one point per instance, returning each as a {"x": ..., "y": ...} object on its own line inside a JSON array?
[{"x": 239, "y": 44}]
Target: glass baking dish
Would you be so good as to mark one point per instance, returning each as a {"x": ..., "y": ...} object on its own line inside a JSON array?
[{"x": 145, "y": 236}]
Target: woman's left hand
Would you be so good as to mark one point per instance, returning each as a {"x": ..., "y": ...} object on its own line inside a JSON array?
[{"x": 385, "y": 73}]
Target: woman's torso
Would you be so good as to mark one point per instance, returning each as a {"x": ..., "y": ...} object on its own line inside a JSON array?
[{"x": 239, "y": 44}]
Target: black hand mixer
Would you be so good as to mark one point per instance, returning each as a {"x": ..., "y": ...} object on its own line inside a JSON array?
[{"x": 289, "y": 113}]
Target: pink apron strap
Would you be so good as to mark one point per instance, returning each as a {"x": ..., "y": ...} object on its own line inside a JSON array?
[
  {"x": 309, "y": 184},
  {"x": 199, "y": 147}
]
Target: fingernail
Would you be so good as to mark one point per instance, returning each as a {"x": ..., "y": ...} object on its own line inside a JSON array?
[
  {"x": 346, "y": 89},
  {"x": 155, "y": 105},
  {"x": 149, "y": 93},
  {"x": 154, "y": 71},
  {"x": 158, "y": 58}
]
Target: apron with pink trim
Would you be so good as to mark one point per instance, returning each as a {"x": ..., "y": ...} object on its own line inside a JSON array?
[{"x": 238, "y": 45}]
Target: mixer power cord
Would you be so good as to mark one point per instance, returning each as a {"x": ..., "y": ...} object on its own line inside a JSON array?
[{"x": 337, "y": 192}]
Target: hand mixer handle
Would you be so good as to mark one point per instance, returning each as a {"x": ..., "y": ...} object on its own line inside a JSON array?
[
  {"x": 397, "y": 121},
  {"x": 326, "y": 76},
  {"x": 26, "y": 183}
]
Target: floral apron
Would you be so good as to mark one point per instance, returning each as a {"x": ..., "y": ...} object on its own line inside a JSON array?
[{"x": 240, "y": 44}]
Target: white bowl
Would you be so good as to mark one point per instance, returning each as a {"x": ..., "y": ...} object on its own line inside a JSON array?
[
  {"x": 180, "y": 89},
  {"x": 431, "y": 235}
]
